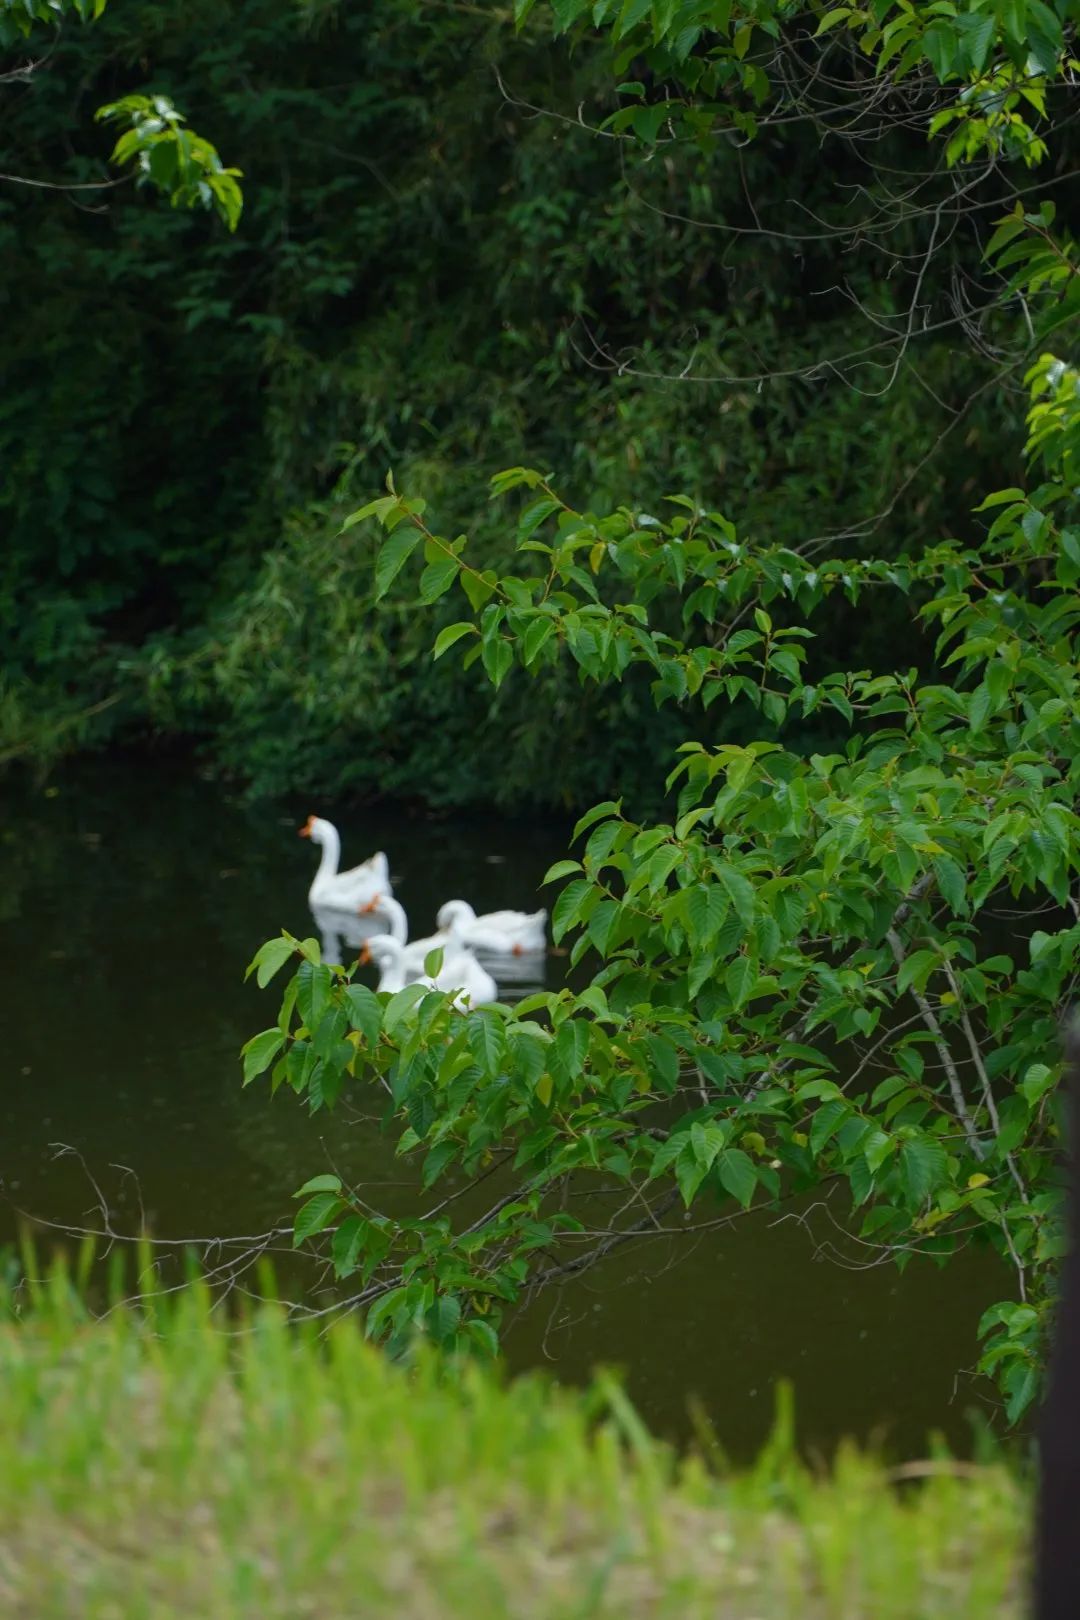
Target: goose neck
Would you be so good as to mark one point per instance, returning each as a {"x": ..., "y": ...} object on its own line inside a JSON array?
[
  {"x": 331, "y": 850},
  {"x": 396, "y": 920}
]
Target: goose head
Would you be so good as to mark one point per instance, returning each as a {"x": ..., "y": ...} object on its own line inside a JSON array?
[
  {"x": 318, "y": 830},
  {"x": 384, "y": 905},
  {"x": 381, "y": 949},
  {"x": 455, "y": 914}
]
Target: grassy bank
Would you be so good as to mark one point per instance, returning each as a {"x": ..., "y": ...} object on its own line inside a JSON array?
[{"x": 162, "y": 1464}]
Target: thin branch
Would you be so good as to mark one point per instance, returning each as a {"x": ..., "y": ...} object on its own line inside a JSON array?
[
  {"x": 929, "y": 1018},
  {"x": 984, "y": 1078}
]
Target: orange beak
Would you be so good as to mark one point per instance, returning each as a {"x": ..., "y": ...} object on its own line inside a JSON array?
[
  {"x": 372, "y": 905},
  {"x": 365, "y": 954},
  {"x": 305, "y": 830}
]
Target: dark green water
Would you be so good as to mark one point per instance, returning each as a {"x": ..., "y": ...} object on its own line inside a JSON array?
[{"x": 131, "y": 899}]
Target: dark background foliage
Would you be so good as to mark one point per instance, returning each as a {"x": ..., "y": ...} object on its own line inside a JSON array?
[{"x": 429, "y": 276}]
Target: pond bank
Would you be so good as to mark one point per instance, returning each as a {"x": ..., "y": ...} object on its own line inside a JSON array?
[{"x": 158, "y": 1464}]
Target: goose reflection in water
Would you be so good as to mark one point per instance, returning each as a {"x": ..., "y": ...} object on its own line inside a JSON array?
[
  {"x": 516, "y": 976},
  {"x": 343, "y": 930}
]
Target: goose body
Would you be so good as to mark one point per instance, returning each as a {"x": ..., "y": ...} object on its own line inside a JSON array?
[
  {"x": 460, "y": 971},
  {"x": 498, "y": 933},
  {"x": 343, "y": 890}
]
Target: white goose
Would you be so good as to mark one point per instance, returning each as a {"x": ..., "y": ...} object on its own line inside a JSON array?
[
  {"x": 460, "y": 971},
  {"x": 501, "y": 933},
  {"x": 414, "y": 952},
  {"x": 347, "y": 890}
]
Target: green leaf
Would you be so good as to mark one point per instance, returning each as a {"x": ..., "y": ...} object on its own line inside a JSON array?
[
  {"x": 876, "y": 1148},
  {"x": 767, "y": 934},
  {"x": 1036, "y": 1083},
  {"x": 593, "y": 999},
  {"x": 497, "y": 657},
  {"x": 689, "y": 1174},
  {"x": 570, "y": 1048},
  {"x": 364, "y": 1012},
  {"x": 1070, "y": 545},
  {"x": 705, "y": 908},
  {"x": 667, "y": 1153},
  {"x": 610, "y": 807},
  {"x": 378, "y": 1318},
  {"x": 536, "y": 635},
  {"x": 288, "y": 1006},
  {"x": 978, "y": 39},
  {"x": 740, "y": 978},
  {"x": 421, "y": 1109},
  {"x": 444, "y": 1318},
  {"x": 827, "y": 1120},
  {"x": 952, "y": 882},
  {"x": 560, "y": 869},
  {"x": 313, "y": 989},
  {"x": 487, "y": 1041},
  {"x": 328, "y": 1033},
  {"x": 1021, "y": 1387},
  {"x": 1044, "y": 35},
  {"x": 980, "y": 704},
  {"x": 737, "y": 1175},
  {"x": 742, "y": 893},
  {"x": 437, "y": 1160},
  {"x": 451, "y": 633},
  {"x": 314, "y": 1216},
  {"x": 838, "y": 14},
  {"x": 861, "y": 1180},
  {"x": 662, "y": 862},
  {"x": 437, "y": 578},
  {"x": 376, "y": 508},
  {"x": 646, "y": 122},
  {"x": 483, "y": 1335},
  {"x": 924, "y": 1166},
  {"x": 706, "y": 1141},
  {"x": 565, "y": 910},
  {"x": 665, "y": 1061},
  {"x": 347, "y": 1244},
  {"x": 319, "y": 1184},
  {"x": 268, "y": 959},
  {"x": 527, "y": 1052},
  {"x": 888, "y": 1088},
  {"x": 401, "y": 1004},
  {"x": 915, "y": 970},
  {"x": 1002, "y": 497},
  {"x": 260, "y": 1052},
  {"x": 939, "y": 48},
  {"x": 393, "y": 555},
  {"x": 632, "y": 13},
  {"x": 477, "y": 587}
]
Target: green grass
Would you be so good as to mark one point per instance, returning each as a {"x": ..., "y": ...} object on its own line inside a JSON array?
[{"x": 165, "y": 1462}]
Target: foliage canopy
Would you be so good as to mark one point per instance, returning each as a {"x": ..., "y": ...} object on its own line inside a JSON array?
[
  {"x": 842, "y": 966},
  {"x": 441, "y": 269}
]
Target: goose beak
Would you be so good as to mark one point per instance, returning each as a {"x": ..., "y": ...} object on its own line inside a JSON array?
[
  {"x": 369, "y": 907},
  {"x": 365, "y": 954},
  {"x": 305, "y": 830}
]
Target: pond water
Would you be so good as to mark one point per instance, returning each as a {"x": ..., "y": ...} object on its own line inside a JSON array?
[{"x": 132, "y": 896}]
